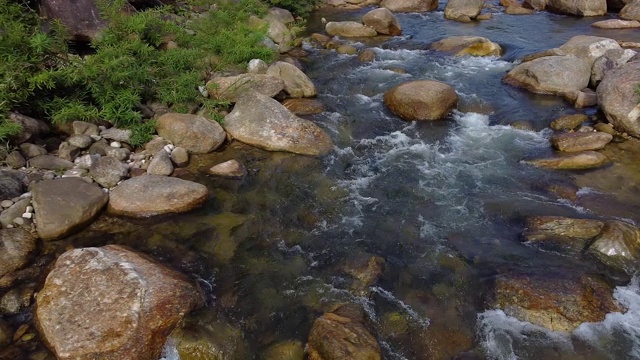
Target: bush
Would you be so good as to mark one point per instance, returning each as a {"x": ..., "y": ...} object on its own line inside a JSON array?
[{"x": 128, "y": 66}]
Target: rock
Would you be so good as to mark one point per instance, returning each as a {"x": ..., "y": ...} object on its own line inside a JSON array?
[
  {"x": 156, "y": 144},
  {"x": 29, "y": 150},
  {"x": 16, "y": 210},
  {"x": 518, "y": 10},
  {"x": 409, "y": 5},
  {"x": 421, "y": 100},
  {"x": 151, "y": 195},
  {"x": 81, "y": 18},
  {"x": 85, "y": 161},
  {"x": 616, "y": 24},
  {"x": 349, "y": 29},
  {"x": 261, "y": 121},
  {"x": 85, "y": 128},
  {"x": 31, "y": 128},
  {"x": 209, "y": 337},
  {"x": 17, "y": 248},
  {"x": 15, "y": 160},
  {"x": 230, "y": 88},
  {"x": 50, "y": 162},
  {"x": 456, "y": 8},
  {"x": 296, "y": 83},
  {"x": 577, "y": 161},
  {"x": 588, "y": 48},
  {"x": 116, "y": 134},
  {"x": 560, "y": 233},
  {"x": 64, "y": 206},
  {"x": 341, "y": 336},
  {"x": 281, "y": 35},
  {"x": 580, "y": 141},
  {"x": 111, "y": 303},
  {"x": 555, "y": 75},
  {"x": 12, "y": 184},
  {"x": 80, "y": 141},
  {"x": 618, "y": 246},
  {"x": 605, "y": 128},
  {"x": 257, "y": 66},
  {"x": 365, "y": 270},
  {"x": 304, "y": 106},
  {"x": 160, "y": 164},
  {"x": 99, "y": 147},
  {"x": 6, "y": 203},
  {"x": 616, "y": 5},
  {"x": 68, "y": 152},
  {"x": 367, "y": 55},
  {"x": 120, "y": 154},
  {"x": 618, "y": 99},
  {"x": 583, "y": 98},
  {"x": 285, "y": 350},
  {"x": 468, "y": 45},
  {"x": 631, "y": 11},
  {"x": 383, "y": 21},
  {"x": 347, "y": 49},
  {"x": 108, "y": 171},
  {"x": 612, "y": 59},
  {"x": 559, "y": 302},
  {"x": 16, "y": 300},
  {"x": 193, "y": 132},
  {"x": 180, "y": 157},
  {"x": 578, "y": 7},
  {"x": 569, "y": 122},
  {"x": 6, "y": 334},
  {"x": 282, "y": 15},
  {"x": 229, "y": 169}
]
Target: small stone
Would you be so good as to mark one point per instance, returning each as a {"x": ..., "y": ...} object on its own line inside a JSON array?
[
  {"x": 99, "y": 147},
  {"x": 68, "y": 152},
  {"x": 74, "y": 173},
  {"x": 15, "y": 160},
  {"x": 116, "y": 134},
  {"x": 155, "y": 145},
  {"x": 29, "y": 209},
  {"x": 160, "y": 164},
  {"x": 568, "y": 122},
  {"x": 229, "y": 169},
  {"x": 6, "y": 203},
  {"x": 18, "y": 221},
  {"x": 95, "y": 137},
  {"x": 108, "y": 171},
  {"x": 121, "y": 154},
  {"x": 85, "y": 128},
  {"x": 346, "y": 49},
  {"x": 257, "y": 66},
  {"x": 115, "y": 144},
  {"x": 81, "y": 141},
  {"x": 85, "y": 161},
  {"x": 29, "y": 150},
  {"x": 27, "y": 215},
  {"x": 167, "y": 148},
  {"x": 367, "y": 55},
  {"x": 180, "y": 156}
]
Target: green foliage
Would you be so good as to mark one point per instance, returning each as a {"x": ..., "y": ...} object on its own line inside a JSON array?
[
  {"x": 297, "y": 7},
  {"x": 128, "y": 67}
]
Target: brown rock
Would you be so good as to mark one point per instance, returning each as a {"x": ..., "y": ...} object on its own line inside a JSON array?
[
  {"x": 304, "y": 106},
  {"x": 616, "y": 24},
  {"x": 568, "y": 122},
  {"x": 468, "y": 45},
  {"x": 347, "y": 49},
  {"x": 583, "y": 98},
  {"x": 63, "y": 206},
  {"x": 383, "y": 21},
  {"x": 230, "y": 88},
  {"x": 410, "y": 5},
  {"x": 421, "y": 100},
  {"x": 16, "y": 250},
  {"x": 192, "y": 132},
  {"x": 577, "y": 161},
  {"x": 559, "y": 303},
  {"x": 337, "y": 337},
  {"x": 618, "y": 99},
  {"x": 349, "y": 29},
  {"x": 367, "y": 55},
  {"x": 365, "y": 270},
  {"x": 111, "y": 303},
  {"x": 580, "y": 141},
  {"x": 631, "y": 11},
  {"x": 296, "y": 83},
  {"x": 150, "y": 195},
  {"x": 578, "y": 7},
  {"x": 229, "y": 169},
  {"x": 618, "y": 246},
  {"x": 465, "y": 8},
  {"x": 518, "y": 10},
  {"x": 551, "y": 75},
  {"x": 561, "y": 233}
]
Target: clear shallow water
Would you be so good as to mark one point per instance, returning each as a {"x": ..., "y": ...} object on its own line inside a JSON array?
[{"x": 443, "y": 203}]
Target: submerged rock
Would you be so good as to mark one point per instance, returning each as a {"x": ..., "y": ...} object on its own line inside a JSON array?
[
  {"x": 468, "y": 45},
  {"x": 421, "y": 100},
  {"x": 455, "y": 9},
  {"x": 304, "y": 106},
  {"x": 193, "y": 132},
  {"x": 63, "y": 206},
  {"x": 383, "y": 21},
  {"x": 111, "y": 303},
  {"x": 577, "y": 161},
  {"x": 618, "y": 99},
  {"x": 554, "y": 75},
  {"x": 580, "y": 141},
  {"x": 618, "y": 246},
  {"x": 285, "y": 350},
  {"x": 559, "y": 303},
  {"x": 410, "y": 5},
  {"x": 260, "y": 121},
  {"x": 349, "y": 29},
  {"x": 568, "y": 122},
  {"x": 230, "y": 169},
  {"x": 561, "y": 233},
  {"x": 150, "y": 195},
  {"x": 339, "y": 335}
]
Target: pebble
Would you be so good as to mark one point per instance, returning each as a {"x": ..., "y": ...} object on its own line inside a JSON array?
[
  {"x": 102, "y": 128},
  {"x": 29, "y": 209},
  {"x": 96, "y": 137},
  {"x": 18, "y": 221},
  {"x": 49, "y": 176},
  {"x": 6, "y": 203},
  {"x": 115, "y": 144},
  {"x": 10, "y": 226},
  {"x": 25, "y": 195},
  {"x": 27, "y": 215},
  {"x": 168, "y": 148}
]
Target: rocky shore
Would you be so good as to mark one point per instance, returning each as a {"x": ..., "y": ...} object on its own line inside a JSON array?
[{"x": 113, "y": 302}]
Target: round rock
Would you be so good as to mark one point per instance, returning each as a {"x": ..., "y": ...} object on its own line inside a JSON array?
[
  {"x": 421, "y": 100},
  {"x": 193, "y": 132}
]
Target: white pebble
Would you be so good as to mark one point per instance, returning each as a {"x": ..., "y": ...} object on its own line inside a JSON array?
[
  {"x": 10, "y": 226},
  {"x": 27, "y": 215},
  {"x": 25, "y": 195},
  {"x": 115, "y": 144},
  {"x": 29, "y": 209}
]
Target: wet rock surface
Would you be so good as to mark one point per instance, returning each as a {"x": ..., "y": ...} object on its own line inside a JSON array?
[
  {"x": 17, "y": 248},
  {"x": 421, "y": 100}
]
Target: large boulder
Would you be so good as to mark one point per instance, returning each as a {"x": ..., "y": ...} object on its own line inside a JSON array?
[
  {"x": 192, "y": 132},
  {"x": 559, "y": 302},
  {"x": 111, "y": 303},
  {"x": 340, "y": 335},
  {"x": 578, "y": 7},
  {"x": 17, "y": 247},
  {"x": 576, "y": 161},
  {"x": 261, "y": 121},
  {"x": 618, "y": 99},
  {"x": 280, "y": 34},
  {"x": 383, "y": 21},
  {"x": 30, "y": 128},
  {"x": 230, "y": 88},
  {"x": 463, "y": 8},
  {"x": 588, "y": 48},
  {"x": 612, "y": 59},
  {"x": 65, "y": 205},
  {"x": 349, "y": 29},
  {"x": 468, "y": 45},
  {"x": 580, "y": 141},
  {"x": 296, "y": 83},
  {"x": 150, "y": 195},
  {"x": 421, "y": 100},
  {"x": 410, "y": 5},
  {"x": 80, "y": 17},
  {"x": 555, "y": 75},
  {"x": 618, "y": 246},
  {"x": 631, "y": 11}
]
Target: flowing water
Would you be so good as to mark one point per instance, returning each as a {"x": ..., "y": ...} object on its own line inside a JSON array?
[{"x": 442, "y": 203}]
